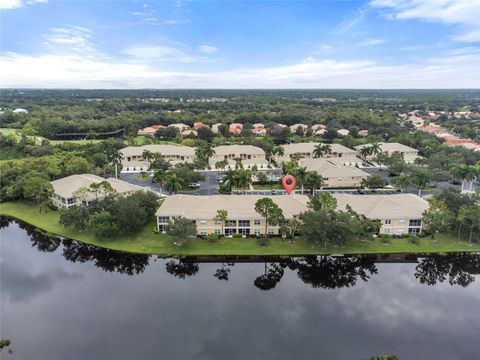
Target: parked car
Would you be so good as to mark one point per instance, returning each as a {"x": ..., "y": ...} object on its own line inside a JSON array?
[{"x": 194, "y": 185}]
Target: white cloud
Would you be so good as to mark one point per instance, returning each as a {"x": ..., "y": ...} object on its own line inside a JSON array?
[
  {"x": 13, "y": 4},
  {"x": 372, "y": 42},
  {"x": 70, "y": 38},
  {"x": 207, "y": 49},
  {"x": 159, "y": 53},
  {"x": 453, "y": 70},
  {"x": 350, "y": 22},
  {"x": 463, "y": 13}
]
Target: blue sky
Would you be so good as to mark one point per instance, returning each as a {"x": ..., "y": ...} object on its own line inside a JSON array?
[{"x": 240, "y": 44}]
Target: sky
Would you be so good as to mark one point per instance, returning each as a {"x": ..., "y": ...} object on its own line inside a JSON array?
[{"x": 240, "y": 44}]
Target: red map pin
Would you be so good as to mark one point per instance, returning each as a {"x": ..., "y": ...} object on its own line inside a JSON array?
[{"x": 289, "y": 183}]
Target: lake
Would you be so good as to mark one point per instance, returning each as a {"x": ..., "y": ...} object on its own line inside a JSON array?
[{"x": 61, "y": 299}]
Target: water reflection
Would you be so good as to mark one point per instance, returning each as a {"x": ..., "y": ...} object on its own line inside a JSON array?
[{"x": 327, "y": 272}]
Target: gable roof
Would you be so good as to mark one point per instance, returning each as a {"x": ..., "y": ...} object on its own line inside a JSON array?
[
  {"x": 308, "y": 147},
  {"x": 330, "y": 168},
  {"x": 395, "y": 206},
  {"x": 238, "y": 206},
  {"x": 163, "y": 149},
  {"x": 66, "y": 186}
]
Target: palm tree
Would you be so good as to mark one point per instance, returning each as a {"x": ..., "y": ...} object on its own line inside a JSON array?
[
  {"x": 159, "y": 177},
  {"x": 147, "y": 155},
  {"x": 230, "y": 180},
  {"x": 222, "y": 216},
  {"x": 364, "y": 153},
  {"x": 116, "y": 159},
  {"x": 301, "y": 175},
  {"x": 375, "y": 149},
  {"x": 322, "y": 149},
  {"x": 289, "y": 167},
  {"x": 465, "y": 173},
  {"x": 421, "y": 179},
  {"x": 314, "y": 181},
  {"x": 173, "y": 183},
  {"x": 279, "y": 150},
  {"x": 403, "y": 181},
  {"x": 244, "y": 178}
]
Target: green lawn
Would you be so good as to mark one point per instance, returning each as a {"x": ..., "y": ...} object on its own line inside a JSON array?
[
  {"x": 148, "y": 242},
  {"x": 276, "y": 186},
  {"x": 17, "y": 134},
  {"x": 81, "y": 142}
]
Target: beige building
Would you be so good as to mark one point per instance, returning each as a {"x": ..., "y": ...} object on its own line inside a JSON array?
[
  {"x": 133, "y": 161},
  {"x": 334, "y": 173},
  {"x": 249, "y": 156},
  {"x": 409, "y": 154},
  {"x": 399, "y": 213},
  {"x": 65, "y": 189},
  {"x": 242, "y": 217},
  {"x": 305, "y": 151}
]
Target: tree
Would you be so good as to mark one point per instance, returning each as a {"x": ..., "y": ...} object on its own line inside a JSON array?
[
  {"x": 168, "y": 133},
  {"x": 270, "y": 211},
  {"x": 222, "y": 216},
  {"x": 322, "y": 149},
  {"x": 173, "y": 183},
  {"x": 375, "y": 149},
  {"x": 301, "y": 175},
  {"x": 38, "y": 189},
  {"x": 314, "y": 226},
  {"x": 323, "y": 201},
  {"x": 230, "y": 180},
  {"x": 464, "y": 173},
  {"x": 103, "y": 225},
  {"x": 293, "y": 225},
  {"x": 116, "y": 159},
  {"x": 438, "y": 217},
  {"x": 77, "y": 165},
  {"x": 421, "y": 178},
  {"x": 364, "y": 153},
  {"x": 75, "y": 216},
  {"x": 147, "y": 155},
  {"x": 182, "y": 229},
  {"x": 374, "y": 181},
  {"x": 403, "y": 181},
  {"x": 471, "y": 215},
  {"x": 314, "y": 181},
  {"x": 159, "y": 177},
  {"x": 205, "y": 133},
  {"x": 381, "y": 159}
]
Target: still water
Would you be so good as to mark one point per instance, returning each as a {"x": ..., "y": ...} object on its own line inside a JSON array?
[{"x": 64, "y": 300}]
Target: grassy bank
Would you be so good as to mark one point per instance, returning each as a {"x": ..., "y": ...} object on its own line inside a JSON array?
[{"x": 149, "y": 243}]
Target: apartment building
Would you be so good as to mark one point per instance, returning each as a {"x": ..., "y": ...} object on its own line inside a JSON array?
[
  {"x": 306, "y": 151},
  {"x": 133, "y": 161},
  {"x": 66, "y": 189},
  {"x": 334, "y": 172},
  {"x": 398, "y": 213},
  {"x": 242, "y": 217},
  {"x": 248, "y": 155}
]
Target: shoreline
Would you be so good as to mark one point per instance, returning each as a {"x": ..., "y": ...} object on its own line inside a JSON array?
[{"x": 146, "y": 242}]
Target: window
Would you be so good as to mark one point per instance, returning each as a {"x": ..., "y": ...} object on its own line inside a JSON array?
[
  {"x": 245, "y": 231},
  {"x": 388, "y": 222},
  {"x": 243, "y": 223},
  {"x": 203, "y": 233},
  {"x": 231, "y": 223},
  {"x": 230, "y": 231},
  {"x": 415, "y": 222},
  {"x": 387, "y": 231},
  {"x": 413, "y": 230},
  {"x": 256, "y": 222},
  {"x": 257, "y": 232},
  {"x": 218, "y": 232},
  {"x": 203, "y": 222},
  {"x": 218, "y": 222},
  {"x": 163, "y": 219},
  {"x": 270, "y": 232},
  {"x": 71, "y": 201},
  {"x": 401, "y": 221}
]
